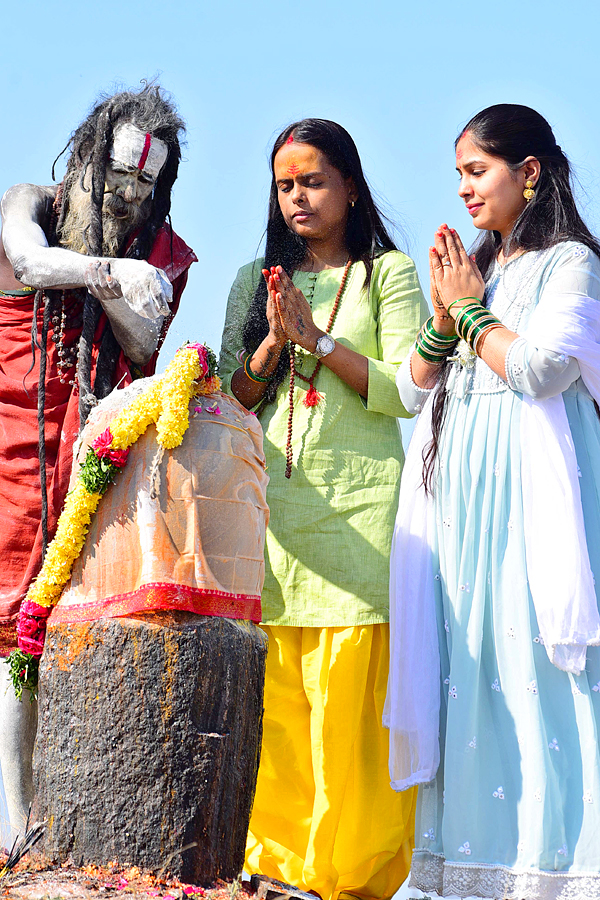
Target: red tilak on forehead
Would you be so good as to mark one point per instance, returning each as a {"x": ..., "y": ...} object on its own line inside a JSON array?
[
  {"x": 293, "y": 168},
  {"x": 145, "y": 152}
]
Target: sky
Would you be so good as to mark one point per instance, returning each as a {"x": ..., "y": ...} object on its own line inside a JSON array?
[{"x": 402, "y": 78}]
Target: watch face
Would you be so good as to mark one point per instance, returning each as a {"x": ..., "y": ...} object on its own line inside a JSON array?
[{"x": 325, "y": 345}]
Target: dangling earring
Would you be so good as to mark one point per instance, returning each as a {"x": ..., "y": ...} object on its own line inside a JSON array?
[{"x": 529, "y": 193}]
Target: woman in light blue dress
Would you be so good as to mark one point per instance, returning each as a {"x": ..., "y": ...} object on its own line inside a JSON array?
[{"x": 498, "y": 537}]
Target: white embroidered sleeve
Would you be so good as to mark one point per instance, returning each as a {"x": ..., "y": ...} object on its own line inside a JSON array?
[
  {"x": 539, "y": 373},
  {"x": 413, "y": 397}
]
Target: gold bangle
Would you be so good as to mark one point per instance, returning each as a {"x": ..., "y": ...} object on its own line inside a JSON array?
[{"x": 483, "y": 333}]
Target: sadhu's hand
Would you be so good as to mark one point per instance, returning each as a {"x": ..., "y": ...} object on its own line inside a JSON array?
[{"x": 146, "y": 289}]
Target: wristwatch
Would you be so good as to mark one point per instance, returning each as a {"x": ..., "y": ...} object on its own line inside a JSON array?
[{"x": 325, "y": 346}]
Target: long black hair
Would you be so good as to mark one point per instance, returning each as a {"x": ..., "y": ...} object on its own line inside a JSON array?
[
  {"x": 366, "y": 235},
  {"x": 512, "y": 132}
]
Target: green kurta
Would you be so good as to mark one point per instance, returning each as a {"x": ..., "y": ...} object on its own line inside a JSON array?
[{"x": 329, "y": 537}]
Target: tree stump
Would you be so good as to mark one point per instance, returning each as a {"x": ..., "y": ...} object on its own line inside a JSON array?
[{"x": 149, "y": 741}]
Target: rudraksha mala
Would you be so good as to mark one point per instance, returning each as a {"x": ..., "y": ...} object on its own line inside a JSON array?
[{"x": 312, "y": 395}]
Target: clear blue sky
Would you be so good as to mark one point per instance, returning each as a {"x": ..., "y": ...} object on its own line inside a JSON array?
[{"x": 402, "y": 78}]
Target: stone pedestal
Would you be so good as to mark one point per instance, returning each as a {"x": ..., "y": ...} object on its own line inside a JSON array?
[{"x": 149, "y": 740}]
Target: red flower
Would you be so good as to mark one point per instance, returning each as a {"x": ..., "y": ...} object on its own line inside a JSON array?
[
  {"x": 102, "y": 448},
  {"x": 118, "y": 457},
  {"x": 31, "y": 634},
  {"x": 102, "y": 443},
  {"x": 202, "y": 356}
]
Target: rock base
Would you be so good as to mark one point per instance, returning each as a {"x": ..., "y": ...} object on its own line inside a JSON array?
[{"x": 149, "y": 741}]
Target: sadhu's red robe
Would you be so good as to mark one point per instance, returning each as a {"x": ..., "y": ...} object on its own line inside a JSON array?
[{"x": 20, "y": 491}]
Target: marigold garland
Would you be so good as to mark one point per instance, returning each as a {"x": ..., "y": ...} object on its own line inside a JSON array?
[{"x": 164, "y": 404}]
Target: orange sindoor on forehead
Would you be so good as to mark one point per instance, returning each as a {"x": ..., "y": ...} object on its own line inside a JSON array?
[
  {"x": 293, "y": 167},
  {"x": 297, "y": 159}
]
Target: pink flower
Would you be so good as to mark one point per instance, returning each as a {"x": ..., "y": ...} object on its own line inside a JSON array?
[
  {"x": 102, "y": 443},
  {"x": 202, "y": 356},
  {"x": 214, "y": 409}
]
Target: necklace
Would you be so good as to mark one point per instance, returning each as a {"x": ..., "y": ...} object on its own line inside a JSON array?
[
  {"x": 313, "y": 397},
  {"x": 70, "y": 317}
]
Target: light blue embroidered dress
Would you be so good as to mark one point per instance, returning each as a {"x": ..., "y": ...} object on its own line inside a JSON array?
[{"x": 515, "y": 808}]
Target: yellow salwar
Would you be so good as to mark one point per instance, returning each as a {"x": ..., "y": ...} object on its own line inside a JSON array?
[{"x": 323, "y": 785}]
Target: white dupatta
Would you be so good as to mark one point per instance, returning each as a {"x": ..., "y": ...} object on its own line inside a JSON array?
[{"x": 563, "y": 595}]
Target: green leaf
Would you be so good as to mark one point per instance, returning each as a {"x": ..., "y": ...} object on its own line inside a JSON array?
[
  {"x": 24, "y": 671},
  {"x": 97, "y": 474}
]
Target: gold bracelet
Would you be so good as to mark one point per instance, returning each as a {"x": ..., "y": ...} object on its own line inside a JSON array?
[{"x": 483, "y": 333}]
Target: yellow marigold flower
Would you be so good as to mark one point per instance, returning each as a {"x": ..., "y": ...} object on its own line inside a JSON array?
[
  {"x": 132, "y": 422},
  {"x": 208, "y": 386},
  {"x": 166, "y": 404},
  {"x": 66, "y": 546},
  {"x": 177, "y": 388}
]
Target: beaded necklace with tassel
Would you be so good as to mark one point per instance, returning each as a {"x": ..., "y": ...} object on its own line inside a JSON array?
[{"x": 313, "y": 397}]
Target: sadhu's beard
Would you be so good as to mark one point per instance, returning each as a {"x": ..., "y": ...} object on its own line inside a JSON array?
[{"x": 119, "y": 221}]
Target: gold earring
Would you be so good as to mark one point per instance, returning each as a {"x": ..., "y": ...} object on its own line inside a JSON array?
[
  {"x": 529, "y": 193},
  {"x": 352, "y": 204}
]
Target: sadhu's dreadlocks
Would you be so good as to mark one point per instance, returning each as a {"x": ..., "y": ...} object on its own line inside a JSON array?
[{"x": 151, "y": 112}]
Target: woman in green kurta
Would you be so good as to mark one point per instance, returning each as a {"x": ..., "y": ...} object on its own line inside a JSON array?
[{"x": 325, "y": 817}]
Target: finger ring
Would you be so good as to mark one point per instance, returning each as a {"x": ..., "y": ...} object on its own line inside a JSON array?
[{"x": 446, "y": 262}]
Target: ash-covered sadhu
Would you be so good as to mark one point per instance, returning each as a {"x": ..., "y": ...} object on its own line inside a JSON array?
[
  {"x": 91, "y": 271},
  {"x": 90, "y": 276}
]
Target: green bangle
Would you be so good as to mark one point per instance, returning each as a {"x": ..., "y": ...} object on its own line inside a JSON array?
[
  {"x": 449, "y": 307},
  {"x": 257, "y": 378},
  {"x": 474, "y": 327},
  {"x": 425, "y": 336},
  {"x": 470, "y": 308},
  {"x": 435, "y": 335},
  {"x": 463, "y": 320},
  {"x": 433, "y": 347},
  {"x": 435, "y": 360},
  {"x": 476, "y": 330},
  {"x": 469, "y": 317},
  {"x": 466, "y": 312},
  {"x": 428, "y": 353}
]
